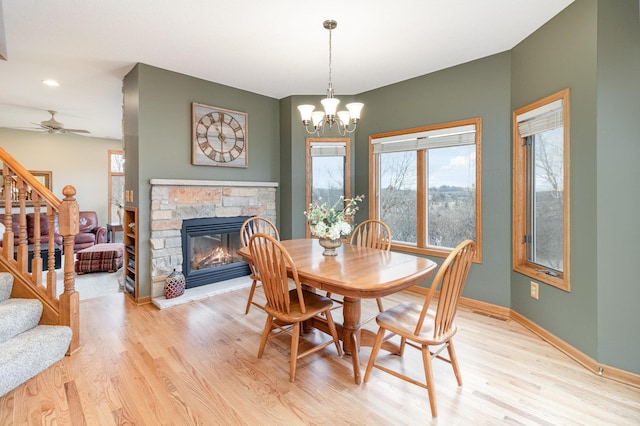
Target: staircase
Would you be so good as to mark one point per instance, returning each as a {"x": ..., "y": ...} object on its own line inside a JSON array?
[{"x": 26, "y": 348}]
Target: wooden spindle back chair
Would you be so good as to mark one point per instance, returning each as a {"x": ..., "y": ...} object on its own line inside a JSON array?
[
  {"x": 252, "y": 226},
  {"x": 287, "y": 306},
  {"x": 373, "y": 233},
  {"x": 425, "y": 329}
]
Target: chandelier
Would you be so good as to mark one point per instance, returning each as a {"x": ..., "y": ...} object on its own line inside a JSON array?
[{"x": 346, "y": 121}]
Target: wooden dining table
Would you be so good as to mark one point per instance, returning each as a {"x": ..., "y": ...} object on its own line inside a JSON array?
[{"x": 356, "y": 273}]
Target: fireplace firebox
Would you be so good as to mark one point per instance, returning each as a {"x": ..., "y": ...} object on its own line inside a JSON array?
[{"x": 209, "y": 250}]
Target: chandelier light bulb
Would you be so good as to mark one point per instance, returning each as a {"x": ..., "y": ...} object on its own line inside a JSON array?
[
  {"x": 354, "y": 110},
  {"x": 344, "y": 117},
  {"x": 305, "y": 112},
  {"x": 317, "y": 118},
  {"x": 330, "y": 106}
]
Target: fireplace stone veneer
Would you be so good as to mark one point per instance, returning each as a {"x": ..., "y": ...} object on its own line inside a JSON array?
[{"x": 173, "y": 201}]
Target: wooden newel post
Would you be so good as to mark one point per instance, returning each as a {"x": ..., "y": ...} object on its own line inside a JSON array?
[{"x": 68, "y": 221}]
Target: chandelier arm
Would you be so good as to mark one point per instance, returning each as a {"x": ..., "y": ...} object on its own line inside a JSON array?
[
  {"x": 343, "y": 127},
  {"x": 314, "y": 131}
]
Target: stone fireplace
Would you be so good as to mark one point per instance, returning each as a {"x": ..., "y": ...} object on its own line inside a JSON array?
[{"x": 174, "y": 202}]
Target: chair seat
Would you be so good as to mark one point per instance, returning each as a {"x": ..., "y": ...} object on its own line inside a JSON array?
[
  {"x": 402, "y": 319},
  {"x": 314, "y": 303}
]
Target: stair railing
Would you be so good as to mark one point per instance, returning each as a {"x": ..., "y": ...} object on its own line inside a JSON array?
[{"x": 18, "y": 186}]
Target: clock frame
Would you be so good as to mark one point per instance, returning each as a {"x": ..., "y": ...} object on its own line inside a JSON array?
[{"x": 219, "y": 136}]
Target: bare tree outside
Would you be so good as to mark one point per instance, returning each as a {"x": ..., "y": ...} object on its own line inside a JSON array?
[
  {"x": 451, "y": 206},
  {"x": 398, "y": 194},
  {"x": 328, "y": 179},
  {"x": 547, "y": 227}
]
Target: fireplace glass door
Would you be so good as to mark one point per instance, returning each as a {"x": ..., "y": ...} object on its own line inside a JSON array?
[
  {"x": 214, "y": 250},
  {"x": 210, "y": 250}
]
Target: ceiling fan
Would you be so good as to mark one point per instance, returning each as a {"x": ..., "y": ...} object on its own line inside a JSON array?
[{"x": 53, "y": 126}]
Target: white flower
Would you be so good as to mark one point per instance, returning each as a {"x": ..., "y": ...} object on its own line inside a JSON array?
[
  {"x": 344, "y": 228},
  {"x": 330, "y": 222}
]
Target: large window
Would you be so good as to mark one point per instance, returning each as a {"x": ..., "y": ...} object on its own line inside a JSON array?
[
  {"x": 425, "y": 184},
  {"x": 328, "y": 170},
  {"x": 541, "y": 190}
]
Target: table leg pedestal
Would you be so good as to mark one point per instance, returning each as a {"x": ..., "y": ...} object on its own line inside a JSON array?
[{"x": 351, "y": 333}]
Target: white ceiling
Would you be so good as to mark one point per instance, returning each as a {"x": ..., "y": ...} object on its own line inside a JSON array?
[{"x": 276, "y": 48}]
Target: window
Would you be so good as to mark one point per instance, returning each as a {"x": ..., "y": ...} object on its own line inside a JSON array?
[
  {"x": 541, "y": 190},
  {"x": 425, "y": 184},
  {"x": 116, "y": 186},
  {"x": 328, "y": 170}
]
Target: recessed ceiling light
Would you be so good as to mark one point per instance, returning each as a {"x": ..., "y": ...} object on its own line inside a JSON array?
[{"x": 51, "y": 83}]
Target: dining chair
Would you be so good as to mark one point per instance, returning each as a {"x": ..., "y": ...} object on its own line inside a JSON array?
[
  {"x": 371, "y": 233},
  {"x": 429, "y": 330},
  {"x": 288, "y": 307},
  {"x": 251, "y": 226}
]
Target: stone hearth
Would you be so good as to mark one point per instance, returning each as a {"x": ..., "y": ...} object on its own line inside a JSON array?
[{"x": 173, "y": 201}]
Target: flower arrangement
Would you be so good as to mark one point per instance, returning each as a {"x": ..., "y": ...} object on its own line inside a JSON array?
[{"x": 330, "y": 222}]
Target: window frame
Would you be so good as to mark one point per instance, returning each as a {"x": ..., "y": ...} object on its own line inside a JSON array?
[
  {"x": 309, "y": 168},
  {"x": 423, "y": 188},
  {"x": 520, "y": 262}
]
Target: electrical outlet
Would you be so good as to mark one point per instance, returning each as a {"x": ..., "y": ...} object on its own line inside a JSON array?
[{"x": 534, "y": 290}]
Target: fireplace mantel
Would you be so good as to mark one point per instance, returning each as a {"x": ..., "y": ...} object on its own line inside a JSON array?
[{"x": 188, "y": 182}]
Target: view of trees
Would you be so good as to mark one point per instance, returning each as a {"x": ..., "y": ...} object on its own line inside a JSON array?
[
  {"x": 327, "y": 179},
  {"x": 452, "y": 215},
  {"x": 548, "y": 223},
  {"x": 398, "y": 197},
  {"x": 451, "y": 209}
]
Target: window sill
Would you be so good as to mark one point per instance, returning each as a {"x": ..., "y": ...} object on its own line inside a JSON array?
[
  {"x": 559, "y": 282},
  {"x": 434, "y": 252}
]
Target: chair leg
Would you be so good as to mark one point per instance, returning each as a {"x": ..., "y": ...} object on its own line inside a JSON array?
[
  {"x": 253, "y": 289},
  {"x": 295, "y": 340},
  {"x": 380, "y": 307},
  {"x": 332, "y": 329},
  {"x": 403, "y": 343},
  {"x": 454, "y": 362},
  {"x": 265, "y": 335},
  {"x": 428, "y": 372},
  {"x": 374, "y": 353}
]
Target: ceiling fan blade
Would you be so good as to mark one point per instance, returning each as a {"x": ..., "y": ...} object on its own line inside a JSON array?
[{"x": 75, "y": 131}]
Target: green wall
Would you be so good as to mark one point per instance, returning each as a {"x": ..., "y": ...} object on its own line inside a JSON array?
[
  {"x": 593, "y": 48},
  {"x": 475, "y": 89},
  {"x": 562, "y": 54},
  {"x": 618, "y": 152},
  {"x": 163, "y": 141}
]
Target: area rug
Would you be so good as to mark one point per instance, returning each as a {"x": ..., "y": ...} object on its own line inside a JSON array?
[{"x": 95, "y": 284}]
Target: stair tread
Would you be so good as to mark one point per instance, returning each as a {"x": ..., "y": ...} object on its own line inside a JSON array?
[
  {"x": 30, "y": 353},
  {"x": 18, "y": 316}
]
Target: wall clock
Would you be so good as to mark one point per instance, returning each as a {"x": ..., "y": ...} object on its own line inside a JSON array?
[{"x": 219, "y": 136}]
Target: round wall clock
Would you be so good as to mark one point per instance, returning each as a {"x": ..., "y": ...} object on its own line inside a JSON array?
[{"x": 220, "y": 136}]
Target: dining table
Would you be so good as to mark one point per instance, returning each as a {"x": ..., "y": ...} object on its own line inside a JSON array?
[{"x": 356, "y": 273}]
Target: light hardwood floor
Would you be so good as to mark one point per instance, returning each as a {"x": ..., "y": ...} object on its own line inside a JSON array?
[{"x": 196, "y": 364}]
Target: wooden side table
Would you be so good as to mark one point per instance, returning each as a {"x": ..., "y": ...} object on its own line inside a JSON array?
[{"x": 111, "y": 231}]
